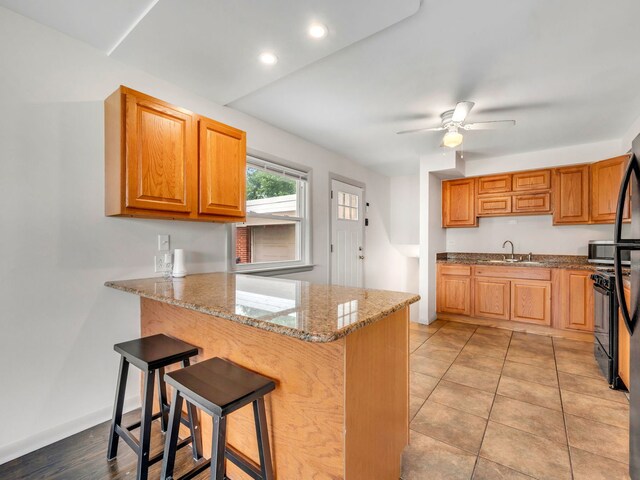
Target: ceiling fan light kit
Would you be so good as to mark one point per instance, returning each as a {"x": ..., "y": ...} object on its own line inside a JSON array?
[
  {"x": 453, "y": 120},
  {"x": 452, "y": 138}
]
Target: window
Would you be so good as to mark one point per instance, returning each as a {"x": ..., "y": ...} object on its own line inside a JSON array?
[
  {"x": 276, "y": 232},
  {"x": 347, "y": 206}
]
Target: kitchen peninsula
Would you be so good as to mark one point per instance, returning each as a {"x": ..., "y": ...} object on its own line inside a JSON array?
[{"x": 339, "y": 357}]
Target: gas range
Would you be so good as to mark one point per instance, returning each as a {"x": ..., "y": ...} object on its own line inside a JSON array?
[{"x": 605, "y": 277}]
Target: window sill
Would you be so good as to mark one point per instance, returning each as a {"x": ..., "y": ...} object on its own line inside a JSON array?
[{"x": 272, "y": 271}]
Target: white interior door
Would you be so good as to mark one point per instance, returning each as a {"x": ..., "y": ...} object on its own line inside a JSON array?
[{"x": 347, "y": 222}]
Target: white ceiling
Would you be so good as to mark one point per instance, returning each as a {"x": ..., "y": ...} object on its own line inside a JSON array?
[
  {"x": 212, "y": 47},
  {"x": 97, "y": 22},
  {"x": 567, "y": 71}
]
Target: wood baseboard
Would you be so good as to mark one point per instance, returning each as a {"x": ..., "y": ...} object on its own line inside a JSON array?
[{"x": 519, "y": 327}]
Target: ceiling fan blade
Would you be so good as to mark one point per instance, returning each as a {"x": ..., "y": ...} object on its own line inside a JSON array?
[
  {"x": 434, "y": 129},
  {"x": 461, "y": 111},
  {"x": 490, "y": 125}
]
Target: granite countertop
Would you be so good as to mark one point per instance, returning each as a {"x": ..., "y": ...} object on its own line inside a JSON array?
[
  {"x": 303, "y": 310},
  {"x": 577, "y": 262}
]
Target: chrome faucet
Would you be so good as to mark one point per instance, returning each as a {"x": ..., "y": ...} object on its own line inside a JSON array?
[{"x": 511, "y": 243}]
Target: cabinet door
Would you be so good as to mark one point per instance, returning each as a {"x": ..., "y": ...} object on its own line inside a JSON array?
[
  {"x": 576, "y": 300},
  {"x": 498, "y": 205},
  {"x": 454, "y": 294},
  {"x": 459, "y": 203},
  {"x": 534, "y": 180},
  {"x": 531, "y": 301},
  {"x": 571, "y": 195},
  {"x": 492, "y": 298},
  {"x": 532, "y": 203},
  {"x": 160, "y": 155},
  {"x": 605, "y": 189},
  {"x": 222, "y": 161},
  {"x": 624, "y": 345},
  {"x": 494, "y": 184}
]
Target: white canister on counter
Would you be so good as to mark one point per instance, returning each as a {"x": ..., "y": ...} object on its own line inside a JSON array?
[{"x": 179, "y": 269}]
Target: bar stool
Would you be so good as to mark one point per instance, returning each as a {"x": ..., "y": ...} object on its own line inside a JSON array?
[
  {"x": 151, "y": 355},
  {"x": 219, "y": 388}
]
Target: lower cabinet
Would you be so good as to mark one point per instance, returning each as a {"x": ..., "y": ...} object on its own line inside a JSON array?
[
  {"x": 576, "y": 300},
  {"x": 531, "y": 301},
  {"x": 552, "y": 297},
  {"x": 453, "y": 294},
  {"x": 624, "y": 345},
  {"x": 492, "y": 298}
]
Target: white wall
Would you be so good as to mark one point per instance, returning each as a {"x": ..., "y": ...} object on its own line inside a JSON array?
[
  {"x": 405, "y": 210},
  {"x": 528, "y": 233},
  {"x": 632, "y": 132},
  {"x": 58, "y": 321}
]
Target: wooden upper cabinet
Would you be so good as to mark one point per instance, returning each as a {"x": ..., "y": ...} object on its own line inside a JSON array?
[
  {"x": 531, "y": 301},
  {"x": 494, "y": 205},
  {"x": 160, "y": 155},
  {"x": 533, "y": 180},
  {"x": 532, "y": 203},
  {"x": 571, "y": 195},
  {"x": 222, "y": 161},
  {"x": 459, "y": 203},
  {"x": 494, "y": 184},
  {"x": 606, "y": 177},
  {"x": 576, "y": 300},
  {"x": 155, "y": 166}
]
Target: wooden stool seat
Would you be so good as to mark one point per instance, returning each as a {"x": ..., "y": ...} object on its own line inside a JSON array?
[
  {"x": 219, "y": 388},
  {"x": 151, "y": 355},
  {"x": 156, "y": 351}
]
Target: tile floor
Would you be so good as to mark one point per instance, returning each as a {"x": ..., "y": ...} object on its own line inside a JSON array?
[{"x": 488, "y": 404}]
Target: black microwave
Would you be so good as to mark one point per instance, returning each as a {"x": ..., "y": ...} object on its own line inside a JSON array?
[{"x": 601, "y": 251}]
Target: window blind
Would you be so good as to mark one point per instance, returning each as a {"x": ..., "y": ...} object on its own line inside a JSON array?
[{"x": 287, "y": 172}]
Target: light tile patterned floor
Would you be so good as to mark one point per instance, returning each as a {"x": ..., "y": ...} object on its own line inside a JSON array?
[{"x": 488, "y": 404}]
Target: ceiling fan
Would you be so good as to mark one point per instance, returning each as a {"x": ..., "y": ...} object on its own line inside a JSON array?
[{"x": 453, "y": 121}]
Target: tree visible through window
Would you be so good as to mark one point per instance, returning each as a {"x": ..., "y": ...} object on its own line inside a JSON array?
[
  {"x": 274, "y": 229},
  {"x": 265, "y": 185}
]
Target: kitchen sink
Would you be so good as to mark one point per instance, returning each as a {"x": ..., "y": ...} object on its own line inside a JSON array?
[{"x": 509, "y": 261}]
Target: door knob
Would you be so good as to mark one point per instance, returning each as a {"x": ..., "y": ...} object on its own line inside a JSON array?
[{"x": 361, "y": 257}]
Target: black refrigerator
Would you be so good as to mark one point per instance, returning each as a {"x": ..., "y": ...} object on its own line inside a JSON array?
[{"x": 631, "y": 315}]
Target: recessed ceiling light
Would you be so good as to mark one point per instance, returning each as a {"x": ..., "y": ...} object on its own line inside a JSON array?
[
  {"x": 318, "y": 30},
  {"x": 268, "y": 58}
]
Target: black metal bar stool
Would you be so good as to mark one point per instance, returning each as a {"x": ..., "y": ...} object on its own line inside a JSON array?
[
  {"x": 219, "y": 388},
  {"x": 151, "y": 355}
]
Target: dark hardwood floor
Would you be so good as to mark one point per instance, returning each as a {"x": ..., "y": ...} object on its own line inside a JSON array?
[{"x": 84, "y": 456}]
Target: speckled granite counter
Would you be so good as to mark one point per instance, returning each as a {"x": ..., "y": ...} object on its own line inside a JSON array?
[
  {"x": 307, "y": 311},
  {"x": 577, "y": 262}
]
